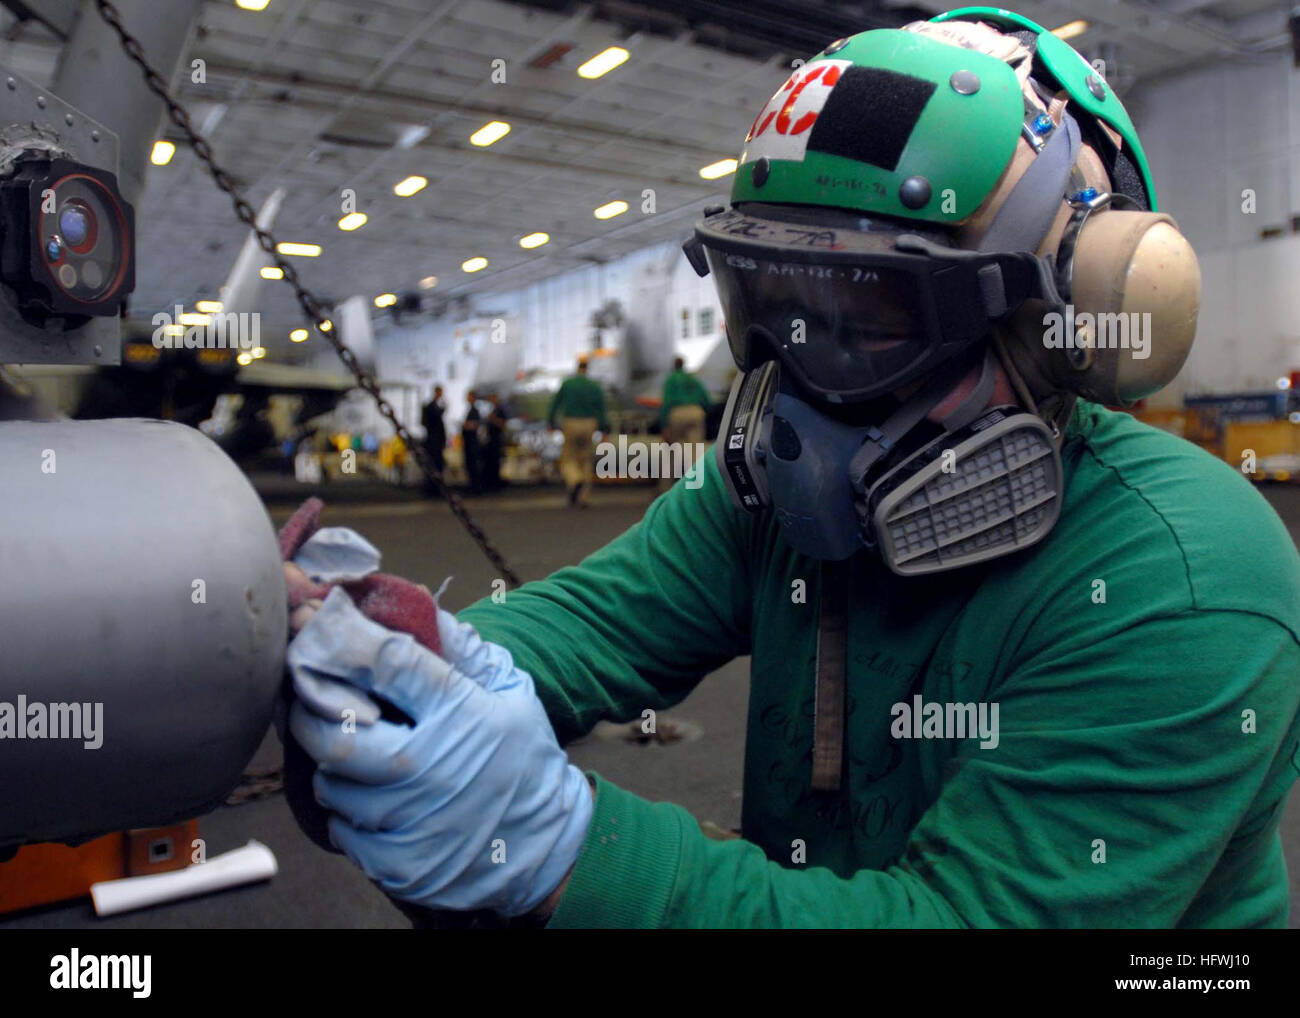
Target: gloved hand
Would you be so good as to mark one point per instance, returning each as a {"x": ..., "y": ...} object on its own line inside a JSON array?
[
  {"x": 475, "y": 805},
  {"x": 317, "y": 558}
]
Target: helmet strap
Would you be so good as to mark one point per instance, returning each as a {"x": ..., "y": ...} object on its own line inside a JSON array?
[{"x": 1030, "y": 209}]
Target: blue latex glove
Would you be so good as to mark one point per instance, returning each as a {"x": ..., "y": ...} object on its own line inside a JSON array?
[
  {"x": 476, "y": 806},
  {"x": 336, "y": 555}
]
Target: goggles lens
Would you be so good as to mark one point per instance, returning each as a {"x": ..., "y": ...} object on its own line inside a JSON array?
[
  {"x": 854, "y": 307},
  {"x": 841, "y": 328}
]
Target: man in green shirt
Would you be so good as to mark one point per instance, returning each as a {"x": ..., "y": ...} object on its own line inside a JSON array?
[
  {"x": 684, "y": 392},
  {"x": 684, "y": 413},
  {"x": 1018, "y": 660},
  {"x": 579, "y": 408}
]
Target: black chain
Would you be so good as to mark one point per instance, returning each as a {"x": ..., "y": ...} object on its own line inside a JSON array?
[{"x": 312, "y": 307}]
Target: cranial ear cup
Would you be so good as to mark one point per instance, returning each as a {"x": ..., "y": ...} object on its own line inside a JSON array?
[
  {"x": 1136, "y": 265},
  {"x": 1133, "y": 296}
]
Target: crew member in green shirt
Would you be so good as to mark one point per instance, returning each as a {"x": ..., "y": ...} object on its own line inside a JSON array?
[
  {"x": 1018, "y": 660},
  {"x": 683, "y": 415},
  {"x": 579, "y": 408}
]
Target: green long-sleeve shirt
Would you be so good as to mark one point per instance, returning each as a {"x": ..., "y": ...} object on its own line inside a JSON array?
[
  {"x": 683, "y": 389},
  {"x": 579, "y": 396},
  {"x": 1148, "y": 728}
]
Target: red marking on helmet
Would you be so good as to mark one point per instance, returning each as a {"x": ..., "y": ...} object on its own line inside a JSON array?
[
  {"x": 783, "y": 118},
  {"x": 823, "y": 75},
  {"x": 803, "y": 123},
  {"x": 766, "y": 122}
]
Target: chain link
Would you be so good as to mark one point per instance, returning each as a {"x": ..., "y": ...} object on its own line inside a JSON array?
[{"x": 312, "y": 307}]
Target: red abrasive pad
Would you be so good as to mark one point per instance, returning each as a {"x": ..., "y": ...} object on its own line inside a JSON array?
[{"x": 389, "y": 600}]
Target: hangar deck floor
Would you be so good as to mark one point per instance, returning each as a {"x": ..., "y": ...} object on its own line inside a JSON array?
[{"x": 421, "y": 540}]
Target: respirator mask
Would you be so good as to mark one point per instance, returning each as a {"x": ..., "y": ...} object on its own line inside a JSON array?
[{"x": 849, "y": 334}]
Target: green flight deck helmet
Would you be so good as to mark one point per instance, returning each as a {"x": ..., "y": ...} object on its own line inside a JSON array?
[{"x": 872, "y": 123}]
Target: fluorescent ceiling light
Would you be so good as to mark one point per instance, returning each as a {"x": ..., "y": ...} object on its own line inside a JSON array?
[
  {"x": 719, "y": 169},
  {"x": 258, "y": 352},
  {"x": 1070, "y": 29},
  {"x": 252, "y": 5},
  {"x": 209, "y": 306},
  {"x": 191, "y": 318},
  {"x": 272, "y": 272},
  {"x": 173, "y": 330},
  {"x": 412, "y": 135},
  {"x": 385, "y": 300},
  {"x": 353, "y": 221},
  {"x": 534, "y": 240},
  {"x": 603, "y": 63},
  {"x": 474, "y": 264},
  {"x": 286, "y": 247},
  {"x": 298, "y": 336},
  {"x": 214, "y": 117},
  {"x": 610, "y": 210},
  {"x": 490, "y": 132},
  {"x": 162, "y": 153},
  {"x": 245, "y": 358},
  {"x": 428, "y": 282},
  {"x": 406, "y": 188}
]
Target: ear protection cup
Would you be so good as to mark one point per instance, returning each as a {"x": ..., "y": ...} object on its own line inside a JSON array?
[
  {"x": 1130, "y": 289},
  {"x": 1135, "y": 289}
]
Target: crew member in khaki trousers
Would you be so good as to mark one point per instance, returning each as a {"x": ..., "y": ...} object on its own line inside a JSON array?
[
  {"x": 685, "y": 411},
  {"x": 685, "y": 424},
  {"x": 578, "y": 458},
  {"x": 580, "y": 407}
]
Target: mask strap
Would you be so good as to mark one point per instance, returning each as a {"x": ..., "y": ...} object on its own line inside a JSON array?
[
  {"x": 1014, "y": 376},
  {"x": 832, "y": 669},
  {"x": 976, "y": 400},
  {"x": 1056, "y": 407},
  {"x": 832, "y": 617},
  {"x": 881, "y": 440}
]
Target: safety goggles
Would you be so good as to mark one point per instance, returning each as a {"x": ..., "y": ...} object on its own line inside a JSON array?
[{"x": 855, "y": 307}]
